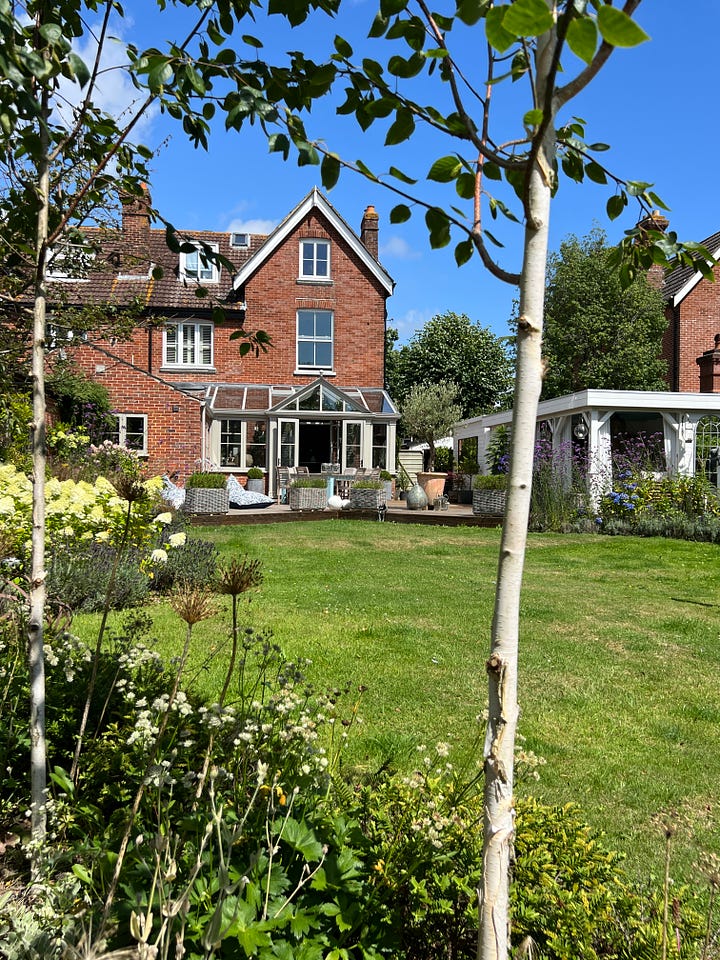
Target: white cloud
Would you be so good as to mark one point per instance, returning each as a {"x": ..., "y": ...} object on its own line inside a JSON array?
[
  {"x": 262, "y": 227},
  {"x": 409, "y": 323},
  {"x": 398, "y": 248}
]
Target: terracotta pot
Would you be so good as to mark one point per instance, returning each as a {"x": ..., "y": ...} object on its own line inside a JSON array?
[{"x": 433, "y": 484}]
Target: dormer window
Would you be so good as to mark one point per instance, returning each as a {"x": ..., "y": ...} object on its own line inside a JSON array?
[
  {"x": 314, "y": 259},
  {"x": 241, "y": 240},
  {"x": 70, "y": 261},
  {"x": 196, "y": 265}
]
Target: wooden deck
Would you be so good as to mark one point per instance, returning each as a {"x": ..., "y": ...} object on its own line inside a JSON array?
[{"x": 456, "y": 515}]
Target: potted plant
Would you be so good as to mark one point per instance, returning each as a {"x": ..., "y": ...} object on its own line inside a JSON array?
[
  {"x": 206, "y": 493},
  {"x": 429, "y": 413},
  {"x": 387, "y": 479},
  {"x": 255, "y": 480},
  {"x": 308, "y": 493},
  {"x": 489, "y": 493},
  {"x": 367, "y": 494}
]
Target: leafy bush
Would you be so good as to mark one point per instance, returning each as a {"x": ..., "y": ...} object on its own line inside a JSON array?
[
  {"x": 255, "y": 473},
  {"x": 80, "y": 575},
  {"x": 205, "y": 481},
  {"x": 559, "y": 491},
  {"x": 367, "y": 483},
  {"x": 192, "y": 561},
  {"x": 490, "y": 481}
]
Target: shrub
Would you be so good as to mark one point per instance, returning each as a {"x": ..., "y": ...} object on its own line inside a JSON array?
[
  {"x": 255, "y": 473},
  {"x": 367, "y": 483},
  {"x": 79, "y": 575},
  {"x": 205, "y": 481},
  {"x": 490, "y": 481},
  {"x": 315, "y": 483},
  {"x": 559, "y": 491},
  {"x": 193, "y": 561}
]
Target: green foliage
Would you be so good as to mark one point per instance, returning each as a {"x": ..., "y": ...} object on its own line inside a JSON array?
[
  {"x": 205, "y": 481},
  {"x": 497, "y": 452},
  {"x": 639, "y": 495},
  {"x": 192, "y": 562},
  {"x": 598, "y": 335},
  {"x": 255, "y": 473},
  {"x": 490, "y": 481},
  {"x": 15, "y": 417},
  {"x": 80, "y": 402},
  {"x": 452, "y": 348},
  {"x": 312, "y": 483},
  {"x": 367, "y": 483},
  {"x": 429, "y": 412},
  {"x": 79, "y": 576}
]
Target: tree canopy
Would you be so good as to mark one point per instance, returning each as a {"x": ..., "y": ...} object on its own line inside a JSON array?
[
  {"x": 597, "y": 334},
  {"x": 429, "y": 412},
  {"x": 454, "y": 348}
]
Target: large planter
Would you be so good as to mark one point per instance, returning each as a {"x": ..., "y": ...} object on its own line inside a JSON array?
[
  {"x": 366, "y": 498},
  {"x": 255, "y": 486},
  {"x": 488, "y": 503},
  {"x": 433, "y": 484},
  {"x": 206, "y": 500},
  {"x": 307, "y": 498}
]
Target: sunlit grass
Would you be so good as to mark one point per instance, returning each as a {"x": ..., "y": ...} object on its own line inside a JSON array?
[{"x": 620, "y": 657}]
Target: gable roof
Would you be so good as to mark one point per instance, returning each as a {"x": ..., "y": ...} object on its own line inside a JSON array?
[
  {"x": 680, "y": 281},
  {"x": 314, "y": 200}
]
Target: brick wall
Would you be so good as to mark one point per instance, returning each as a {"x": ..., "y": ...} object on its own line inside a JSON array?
[{"x": 699, "y": 321}]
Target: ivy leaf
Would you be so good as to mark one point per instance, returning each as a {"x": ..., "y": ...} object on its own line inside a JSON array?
[
  {"x": 528, "y": 18},
  {"x": 445, "y": 169},
  {"x": 618, "y": 29},
  {"x": 497, "y": 36},
  {"x": 400, "y": 213},
  {"x": 582, "y": 38}
]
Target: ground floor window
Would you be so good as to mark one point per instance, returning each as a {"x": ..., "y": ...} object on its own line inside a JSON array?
[
  {"x": 379, "y": 445},
  {"x": 243, "y": 443},
  {"x": 131, "y": 431},
  {"x": 707, "y": 449}
]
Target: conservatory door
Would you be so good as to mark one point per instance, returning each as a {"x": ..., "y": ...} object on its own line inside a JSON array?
[{"x": 287, "y": 443}]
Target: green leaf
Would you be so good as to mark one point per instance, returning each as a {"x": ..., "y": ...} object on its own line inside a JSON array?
[
  {"x": 343, "y": 47},
  {"x": 82, "y": 873},
  {"x": 470, "y": 11},
  {"x": 379, "y": 26},
  {"x": 79, "y": 68},
  {"x": 595, "y": 172},
  {"x": 439, "y": 227},
  {"x": 330, "y": 171},
  {"x": 279, "y": 143},
  {"x": 445, "y": 170},
  {"x": 528, "y": 18},
  {"x": 160, "y": 74},
  {"x": 402, "y": 177},
  {"x": 615, "y": 205},
  {"x": 582, "y": 38},
  {"x": 533, "y": 118},
  {"x": 402, "y": 129},
  {"x": 497, "y": 36},
  {"x": 400, "y": 213},
  {"x": 51, "y": 32},
  {"x": 465, "y": 186},
  {"x": 618, "y": 29},
  {"x": 463, "y": 252},
  {"x": 389, "y": 8},
  {"x": 171, "y": 240},
  {"x": 302, "y": 839},
  {"x": 252, "y": 41}
]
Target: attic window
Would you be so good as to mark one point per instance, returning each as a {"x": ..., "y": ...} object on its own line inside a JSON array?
[
  {"x": 240, "y": 240},
  {"x": 198, "y": 266},
  {"x": 69, "y": 261}
]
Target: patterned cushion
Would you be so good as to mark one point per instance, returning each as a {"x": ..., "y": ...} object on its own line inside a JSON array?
[
  {"x": 241, "y": 498},
  {"x": 173, "y": 494}
]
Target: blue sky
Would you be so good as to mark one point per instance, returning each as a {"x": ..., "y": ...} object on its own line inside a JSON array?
[{"x": 654, "y": 105}]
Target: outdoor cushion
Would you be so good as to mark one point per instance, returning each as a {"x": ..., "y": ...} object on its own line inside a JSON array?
[
  {"x": 172, "y": 493},
  {"x": 240, "y": 498}
]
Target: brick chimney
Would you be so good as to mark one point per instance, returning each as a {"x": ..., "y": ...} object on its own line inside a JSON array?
[
  {"x": 135, "y": 249},
  {"x": 709, "y": 364},
  {"x": 655, "y": 221},
  {"x": 369, "y": 230}
]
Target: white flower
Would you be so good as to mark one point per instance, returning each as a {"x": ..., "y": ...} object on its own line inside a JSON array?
[
  {"x": 177, "y": 539},
  {"x": 158, "y": 556},
  {"x": 163, "y": 518}
]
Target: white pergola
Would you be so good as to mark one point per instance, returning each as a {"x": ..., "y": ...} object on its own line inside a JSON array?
[{"x": 589, "y": 413}]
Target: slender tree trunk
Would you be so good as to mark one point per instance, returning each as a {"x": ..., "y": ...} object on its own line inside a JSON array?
[
  {"x": 36, "y": 656},
  {"x": 502, "y": 666}
]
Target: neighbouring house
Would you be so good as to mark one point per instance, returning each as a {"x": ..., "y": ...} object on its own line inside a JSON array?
[{"x": 183, "y": 395}]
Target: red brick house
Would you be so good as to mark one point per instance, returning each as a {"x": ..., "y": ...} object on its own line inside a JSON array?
[
  {"x": 692, "y": 308},
  {"x": 180, "y": 390}
]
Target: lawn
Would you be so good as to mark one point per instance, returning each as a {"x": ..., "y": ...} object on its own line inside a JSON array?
[{"x": 619, "y": 688}]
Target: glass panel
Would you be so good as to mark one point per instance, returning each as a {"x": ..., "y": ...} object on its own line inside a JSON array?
[
  {"x": 331, "y": 401},
  {"x": 322, "y": 254},
  {"x": 191, "y": 264},
  {"x": 171, "y": 337},
  {"x": 637, "y": 441},
  {"x": 306, "y": 323},
  {"x": 308, "y": 259},
  {"x": 353, "y": 433},
  {"x": 707, "y": 449},
  {"x": 323, "y": 354},
  {"x": 187, "y": 337},
  {"x": 135, "y": 433},
  {"x": 379, "y": 445},
  {"x": 287, "y": 443},
  {"x": 256, "y": 448},
  {"x": 206, "y": 334},
  {"x": 323, "y": 324},
  {"x": 230, "y": 442},
  {"x": 306, "y": 353},
  {"x": 311, "y": 401}
]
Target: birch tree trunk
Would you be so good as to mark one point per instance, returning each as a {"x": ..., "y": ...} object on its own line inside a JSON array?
[
  {"x": 502, "y": 666},
  {"x": 36, "y": 655}
]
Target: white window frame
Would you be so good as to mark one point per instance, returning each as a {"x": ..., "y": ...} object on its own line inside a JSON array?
[
  {"x": 205, "y": 272},
  {"x": 312, "y": 272},
  {"x": 71, "y": 262},
  {"x": 304, "y": 367},
  {"x": 184, "y": 330},
  {"x": 122, "y": 430},
  {"x": 236, "y": 241}
]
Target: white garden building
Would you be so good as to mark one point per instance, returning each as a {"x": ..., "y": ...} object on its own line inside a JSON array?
[{"x": 689, "y": 424}]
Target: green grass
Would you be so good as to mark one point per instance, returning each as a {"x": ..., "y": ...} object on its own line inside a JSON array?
[{"x": 619, "y": 671}]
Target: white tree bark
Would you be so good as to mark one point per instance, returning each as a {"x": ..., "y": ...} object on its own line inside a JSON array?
[{"x": 502, "y": 666}]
